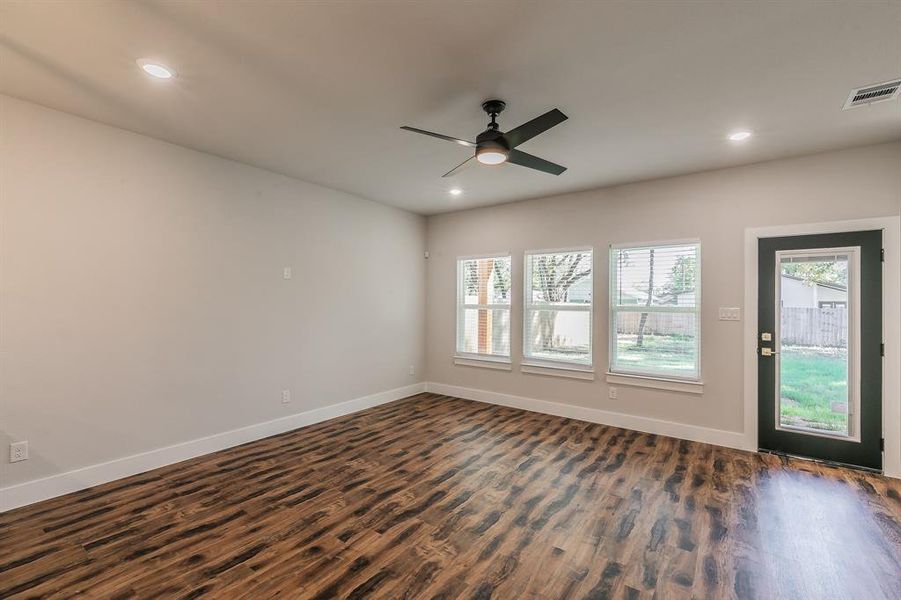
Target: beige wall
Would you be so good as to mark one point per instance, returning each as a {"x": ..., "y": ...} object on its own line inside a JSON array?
[
  {"x": 143, "y": 304},
  {"x": 715, "y": 207}
]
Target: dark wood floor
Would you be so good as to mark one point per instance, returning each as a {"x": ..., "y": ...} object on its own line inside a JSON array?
[{"x": 435, "y": 497}]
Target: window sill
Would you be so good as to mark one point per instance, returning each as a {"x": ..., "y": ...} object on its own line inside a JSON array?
[
  {"x": 657, "y": 383},
  {"x": 557, "y": 371},
  {"x": 484, "y": 363}
]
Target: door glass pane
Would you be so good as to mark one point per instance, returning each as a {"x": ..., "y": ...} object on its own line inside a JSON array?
[{"x": 813, "y": 339}]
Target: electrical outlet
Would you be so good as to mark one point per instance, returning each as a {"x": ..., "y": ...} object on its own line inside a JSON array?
[
  {"x": 412, "y": 370},
  {"x": 287, "y": 273},
  {"x": 18, "y": 451},
  {"x": 611, "y": 393},
  {"x": 286, "y": 396}
]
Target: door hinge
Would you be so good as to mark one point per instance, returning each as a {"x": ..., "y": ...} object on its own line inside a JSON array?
[
  {"x": 882, "y": 444},
  {"x": 882, "y": 349},
  {"x": 882, "y": 255}
]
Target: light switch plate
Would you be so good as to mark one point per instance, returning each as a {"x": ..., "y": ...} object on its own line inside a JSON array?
[{"x": 730, "y": 314}]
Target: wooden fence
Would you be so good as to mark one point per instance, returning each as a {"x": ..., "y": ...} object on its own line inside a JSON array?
[
  {"x": 826, "y": 327},
  {"x": 656, "y": 323}
]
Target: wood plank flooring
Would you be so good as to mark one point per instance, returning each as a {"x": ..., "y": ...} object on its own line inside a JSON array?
[{"x": 435, "y": 497}]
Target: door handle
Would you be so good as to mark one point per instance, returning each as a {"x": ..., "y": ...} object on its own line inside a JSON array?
[{"x": 768, "y": 352}]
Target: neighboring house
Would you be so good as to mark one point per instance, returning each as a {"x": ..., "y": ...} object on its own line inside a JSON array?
[
  {"x": 580, "y": 291},
  {"x": 640, "y": 297},
  {"x": 796, "y": 293},
  {"x": 680, "y": 299}
]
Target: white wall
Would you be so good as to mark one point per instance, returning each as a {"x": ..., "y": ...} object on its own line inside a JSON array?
[
  {"x": 143, "y": 304},
  {"x": 714, "y": 206}
]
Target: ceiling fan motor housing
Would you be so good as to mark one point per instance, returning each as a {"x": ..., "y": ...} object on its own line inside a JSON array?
[
  {"x": 492, "y": 139},
  {"x": 494, "y": 107}
]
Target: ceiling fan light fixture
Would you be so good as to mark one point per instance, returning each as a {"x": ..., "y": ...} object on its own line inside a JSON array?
[
  {"x": 491, "y": 152},
  {"x": 491, "y": 156}
]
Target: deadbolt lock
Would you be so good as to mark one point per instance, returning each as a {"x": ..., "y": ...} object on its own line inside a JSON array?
[{"x": 766, "y": 337}]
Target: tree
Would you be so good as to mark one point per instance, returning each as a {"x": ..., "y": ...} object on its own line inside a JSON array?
[
  {"x": 820, "y": 271},
  {"x": 644, "y": 316},
  {"x": 682, "y": 276},
  {"x": 552, "y": 276},
  {"x": 680, "y": 279},
  {"x": 471, "y": 278},
  {"x": 501, "y": 281}
]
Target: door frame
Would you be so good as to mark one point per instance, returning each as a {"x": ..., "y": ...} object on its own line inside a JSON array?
[{"x": 891, "y": 333}]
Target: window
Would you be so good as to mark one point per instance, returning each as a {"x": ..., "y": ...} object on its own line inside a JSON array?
[
  {"x": 655, "y": 304},
  {"x": 557, "y": 315},
  {"x": 483, "y": 307}
]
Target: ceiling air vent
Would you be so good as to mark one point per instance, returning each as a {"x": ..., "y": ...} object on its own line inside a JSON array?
[{"x": 873, "y": 94}]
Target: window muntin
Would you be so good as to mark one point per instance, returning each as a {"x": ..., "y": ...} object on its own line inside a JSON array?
[
  {"x": 655, "y": 303},
  {"x": 557, "y": 325},
  {"x": 483, "y": 307}
]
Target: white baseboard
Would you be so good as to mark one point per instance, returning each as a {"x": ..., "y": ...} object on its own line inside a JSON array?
[
  {"x": 719, "y": 437},
  {"x": 72, "y": 481}
]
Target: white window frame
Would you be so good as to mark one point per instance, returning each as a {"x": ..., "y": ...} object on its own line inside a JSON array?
[
  {"x": 474, "y": 358},
  {"x": 647, "y": 378},
  {"x": 537, "y": 365}
]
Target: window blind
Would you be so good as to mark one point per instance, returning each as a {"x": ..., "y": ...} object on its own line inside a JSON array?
[
  {"x": 557, "y": 307},
  {"x": 655, "y": 310},
  {"x": 483, "y": 307}
]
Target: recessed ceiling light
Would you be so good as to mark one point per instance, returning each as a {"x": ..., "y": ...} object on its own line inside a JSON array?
[
  {"x": 739, "y": 136},
  {"x": 155, "y": 69},
  {"x": 455, "y": 191}
]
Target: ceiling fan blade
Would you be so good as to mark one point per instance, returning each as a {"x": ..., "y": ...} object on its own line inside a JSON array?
[
  {"x": 440, "y": 137},
  {"x": 523, "y": 159},
  {"x": 528, "y": 130},
  {"x": 459, "y": 167}
]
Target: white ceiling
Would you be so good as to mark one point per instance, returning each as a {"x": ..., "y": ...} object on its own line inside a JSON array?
[{"x": 318, "y": 90}]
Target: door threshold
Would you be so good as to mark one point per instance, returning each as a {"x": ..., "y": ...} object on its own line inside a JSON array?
[{"x": 828, "y": 463}]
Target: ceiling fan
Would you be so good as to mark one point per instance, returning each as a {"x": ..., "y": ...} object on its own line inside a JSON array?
[{"x": 494, "y": 147}]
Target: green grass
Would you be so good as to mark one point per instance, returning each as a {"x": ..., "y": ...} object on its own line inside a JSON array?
[
  {"x": 665, "y": 354},
  {"x": 812, "y": 379}
]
